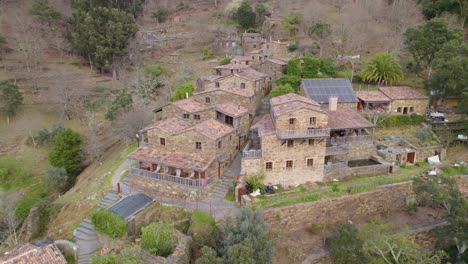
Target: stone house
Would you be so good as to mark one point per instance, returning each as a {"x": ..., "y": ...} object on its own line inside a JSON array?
[
  {"x": 244, "y": 60},
  {"x": 38, "y": 252},
  {"x": 251, "y": 41},
  {"x": 373, "y": 100},
  {"x": 405, "y": 100},
  {"x": 242, "y": 97},
  {"x": 270, "y": 50},
  {"x": 231, "y": 68},
  {"x": 288, "y": 144},
  {"x": 190, "y": 110},
  {"x": 274, "y": 68},
  {"x": 228, "y": 46},
  {"x": 320, "y": 90}
]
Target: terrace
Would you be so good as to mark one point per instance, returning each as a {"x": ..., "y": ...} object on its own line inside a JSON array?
[{"x": 308, "y": 133}]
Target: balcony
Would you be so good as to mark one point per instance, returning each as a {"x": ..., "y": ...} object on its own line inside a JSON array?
[
  {"x": 336, "y": 150},
  {"x": 252, "y": 150},
  {"x": 349, "y": 139},
  {"x": 170, "y": 178},
  {"x": 308, "y": 133}
]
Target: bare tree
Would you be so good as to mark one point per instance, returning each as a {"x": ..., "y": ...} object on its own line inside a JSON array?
[
  {"x": 93, "y": 147},
  {"x": 29, "y": 44},
  {"x": 9, "y": 219},
  {"x": 127, "y": 125}
]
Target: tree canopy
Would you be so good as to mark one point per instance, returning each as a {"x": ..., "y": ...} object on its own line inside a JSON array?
[
  {"x": 435, "y": 8},
  {"x": 123, "y": 102},
  {"x": 311, "y": 67},
  {"x": 102, "y": 34},
  {"x": 182, "y": 91},
  {"x": 281, "y": 90},
  {"x": 10, "y": 98},
  {"x": 345, "y": 246},
  {"x": 42, "y": 10},
  {"x": 66, "y": 152},
  {"x": 423, "y": 42},
  {"x": 245, "y": 15},
  {"x": 383, "y": 68}
]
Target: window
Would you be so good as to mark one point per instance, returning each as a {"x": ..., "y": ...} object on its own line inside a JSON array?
[
  {"x": 246, "y": 62},
  {"x": 243, "y": 85},
  {"x": 162, "y": 141},
  {"x": 310, "y": 162},
  {"x": 196, "y": 117},
  {"x": 220, "y": 144},
  {"x": 253, "y": 57},
  {"x": 232, "y": 71},
  {"x": 290, "y": 143},
  {"x": 268, "y": 46},
  {"x": 186, "y": 116},
  {"x": 198, "y": 145},
  {"x": 292, "y": 121},
  {"x": 289, "y": 164},
  {"x": 399, "y": 110},
  {"x": 217, "y": 84},
  {"x": 229, "y": 120},
  {"x": 207, "y": 100},
  {"x": 311, "y": 142},
  {"x": 230, "y": 138},
  {"x": 268, "y": 165},
  {"x": 312, "y": 121},
  {"x": 411, "y": 109},
  {"x": 255, "y": 46}
]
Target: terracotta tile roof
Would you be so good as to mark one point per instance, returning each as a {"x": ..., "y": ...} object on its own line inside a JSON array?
[
  {"x": 232, "y": 66},
  {"x": 238, "y": 91},
  {"x": 180, "y": 160},
  {"x": 372, "y": 96},
  {"x": 209, "y": 78},
  {"x": 172, "y": 125},
  {"x": 293, "y": 106},
  {"x": 401, "y": 93},
  {"x": 231, "y": 109},
  {"x": 344, "y": 118},
  {"x": 213, "y": 129},
  {"x": 190, "y": 105},
  {"x": 291, "y": 97},
  {"x": 251, "y": 34},
  {"x": 41, "y": 252},
  {"x": 256, "y": 51},
  {"x": 251, "y": 74},
  {"x": 278, "y": 61},
  {"x": 242, "y": 58},
  {"x": 265, "y": 126}
]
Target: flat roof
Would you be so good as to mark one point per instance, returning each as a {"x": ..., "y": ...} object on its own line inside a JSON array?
[{"x": 131, "y": 205}]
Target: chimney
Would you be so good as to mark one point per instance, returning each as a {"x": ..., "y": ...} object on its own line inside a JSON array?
[{"x": 333, "y": 103}]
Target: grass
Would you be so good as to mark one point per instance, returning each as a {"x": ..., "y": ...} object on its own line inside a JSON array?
[
  {"x": 453, "y": 171},
  {"x": 202, "y": 218},
  {"x": 230, "y": 197}
]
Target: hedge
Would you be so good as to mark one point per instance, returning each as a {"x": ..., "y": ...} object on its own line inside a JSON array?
[
  {"x": 402, "y": 120},
  {"x": 108, "y": 223},
  {"x": 158, "y": 239}
]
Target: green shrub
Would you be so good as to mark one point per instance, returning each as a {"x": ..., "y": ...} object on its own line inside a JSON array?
[
  {"x": 44, "y": 12},
  {"x": 202, "y": 229},
  {"x": 161, "y": 14},
  {"x": 294, "y": 81},
  {"x": 315, "y": 228},
  {"x": 313, "y": 67},
  {"x": 66, "y": 152},
  {"x": 207, "y": 53},
  {"x": 183, "y": 90},
  {"x": 225, "y": 61},
  {"x": 132, "y": 255},
  {"x": 402, "y": 120},
  {"x": 30, "y": 199},
  {"x": 108, "y": 223},
  {"x": 158, "y": 239},
  {"x": 293, "y": 46},
  {"x": 281, "y": 90},
  {"x": 256, "y": 182},
  {"x": 155, "y": 70},
  {"x": 4, "y": 172},
  {"x": 57, "y": 179}
]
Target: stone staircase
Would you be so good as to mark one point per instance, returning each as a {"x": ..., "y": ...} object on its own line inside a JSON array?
[
  {"x": 221, "y": 188},
  {"x": 265, "y": 108},
  {"x": 86, "y": 236}
]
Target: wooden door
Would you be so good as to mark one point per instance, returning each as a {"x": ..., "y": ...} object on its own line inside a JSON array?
[{"x": 410, "y": 157}]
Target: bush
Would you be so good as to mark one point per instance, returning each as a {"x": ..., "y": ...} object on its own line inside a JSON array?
[
  {"x": 315, "y": 228},
  {"x": 281, "y": 90},
  {"x": 123, "y": 102},
  {"x": 209, "y": 256},
  {"x": 293, "y": 46},
  {"x": 207, "y": 53},
  {"x": 57, "y": 179},
  {"x": 346, "y": 246},
  {"x": 45, "y": 137},
  {"x": 313, "y": 68},
  {"x": 127, "y": 256},
  {"x": 42, "y": 10},
  {"x": 225, "y": 61},
  {"x": 108, "y": 223},
  {"x": 4, "y": 172},
  {"x": 158, "y": 239},
  {"x": 155, "y": 70},
  {"x": 294, "y": 81},
  {"x": 66, "y": 152},
  {"x": 256, "y": 182},
  {"x": 183, "y": 90},
  {"x": 402, "y": 120},
  {"x": 161, "y": 14},
  {"x": 203, "y": 229}
]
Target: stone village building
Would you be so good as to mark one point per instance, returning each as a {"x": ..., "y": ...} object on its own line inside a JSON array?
[{"x": 397, "y": 100}]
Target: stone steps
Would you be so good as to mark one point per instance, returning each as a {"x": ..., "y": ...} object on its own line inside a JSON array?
[{"x": 85, "y": 258}]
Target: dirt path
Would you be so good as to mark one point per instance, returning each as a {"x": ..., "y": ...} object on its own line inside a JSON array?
[{"x": 118, "y": 173}]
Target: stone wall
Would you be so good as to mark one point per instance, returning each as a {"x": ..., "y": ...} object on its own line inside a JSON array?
[
  {"x": 361, "y": 150},
  {"x": 418, "y": 105},
  {"x": 221, "y": 97},
  {"x": 173, "y": 111},
  {"x": 365, "y": 205},
  {"x": 274, "y": 70},
  {"x": 156, "y": 189},
  {"x": 302, "y": 117}
]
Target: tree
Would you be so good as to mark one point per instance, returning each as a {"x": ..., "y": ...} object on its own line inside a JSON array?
[
  {"x": 262, "y": 10},
  {"x": 10, "y": 98},
  {"x": 127, "y": 124},
  {"x": 245, "y": 15},
  {"x": 247, "y": 229},
  {"x": 293, "y": 81},
  {"x": 209, "y": 256},
  {"x": 346, "y": 246},
  {"x": 450, "y": 78},
  {"x": 66, "y": 152},
  {"x": 132, "y": 7},
  {"x": 57, "y": 179},
  {"x": 44, "y": 12},
  {"x": 102, "y": 34},
  {"x": 183, "y": 90},
  {"x": 123, "y": 102},
  {"x": 321, "y": 31},
  {"x": 158, "y": 239},
  {"x": 425, "y": 41},
  {"x": 311, "y": 67},
  {"x": 435, "y": 8},
  {"x": 382, "y": 69},
  {"x": 281, "y": 90},
  {"x": 161, "y": 14},
  {"x": 291, "y": 23},
  {"x": 436, "y": 191}
]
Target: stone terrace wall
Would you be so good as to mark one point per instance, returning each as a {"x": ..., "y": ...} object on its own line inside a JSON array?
[{"x": 386, "y": 199}]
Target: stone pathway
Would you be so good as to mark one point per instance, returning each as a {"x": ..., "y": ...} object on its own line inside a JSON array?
[{"x": 86, "y": 236}]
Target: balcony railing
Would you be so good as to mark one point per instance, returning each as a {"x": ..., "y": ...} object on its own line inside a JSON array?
[
  {"x": 336, "y": 150},
  {"x": 248, "y": 153},
  {"x": 336, "y": 166},
  {"x": 170, "y": 178},
  {"x": 309, "y": 133},
  {"x": 344, "y": 140}
]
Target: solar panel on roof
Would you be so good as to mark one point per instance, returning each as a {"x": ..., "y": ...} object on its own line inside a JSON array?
[{"x": 321, "y": 89}]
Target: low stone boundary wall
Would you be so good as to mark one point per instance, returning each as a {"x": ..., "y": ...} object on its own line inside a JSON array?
[
  {"x": 370, "y": 170},
  {"x": 385, "y": 199}
]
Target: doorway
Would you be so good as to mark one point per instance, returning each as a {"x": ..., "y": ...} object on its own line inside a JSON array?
[
  {"x": 410, "y": 157},
  {"x": 405, "y": 110}
]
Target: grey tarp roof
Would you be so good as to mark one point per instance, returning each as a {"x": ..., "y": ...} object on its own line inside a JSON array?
[
  {"x": 320, "y": 90},
  {"x": 130, "y": 205}
]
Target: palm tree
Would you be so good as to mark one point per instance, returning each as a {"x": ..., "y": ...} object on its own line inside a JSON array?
[{"x": 382, "y": 69}]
